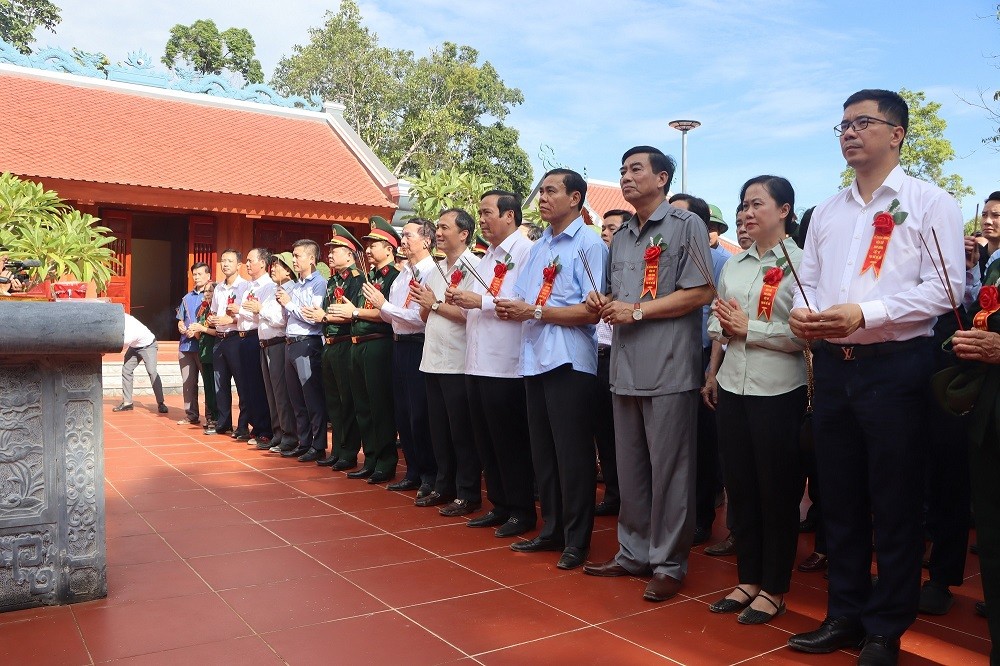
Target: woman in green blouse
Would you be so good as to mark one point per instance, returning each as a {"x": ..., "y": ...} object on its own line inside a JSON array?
[{"x": 761, "y": 400}]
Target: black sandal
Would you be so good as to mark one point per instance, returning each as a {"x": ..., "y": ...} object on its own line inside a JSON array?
[
  {"x": 727, "y": 605},
  {"x": 754, "y": 616}
]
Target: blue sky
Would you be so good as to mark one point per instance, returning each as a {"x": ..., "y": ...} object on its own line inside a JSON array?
[{"x": 767, "y": 79}]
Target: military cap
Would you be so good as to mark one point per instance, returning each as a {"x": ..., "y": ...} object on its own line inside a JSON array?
[
  {"x": 341, "y": 236},
  {"x": 383, "y": 231},
  {"x": 480, "y": 247},
  {"x": 716, "y": 218}
]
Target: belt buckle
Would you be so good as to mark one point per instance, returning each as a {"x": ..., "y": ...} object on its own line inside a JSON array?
[
  {"x": 848, "y": 352},
  {"x": 354, "y": 339}
]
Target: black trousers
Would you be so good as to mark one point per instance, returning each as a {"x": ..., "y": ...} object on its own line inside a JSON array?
[
  {"x": 985, "y": 465},
  {"x": 258, "y": 414},
  {"x": 304, "y": 379},
  {"x": 498, "y": 407},
  {"x": 562, "y": 436},
  {"x": 228, "y": 369},
  {"x": 816, "y": 509},
  {"x": 604, "y": 428},
  {"x": 412, "y": 421},
  {"x": 868, "y": 421},
  {"x": 708, "y": 479},
  {"x": 458, "y": 468},
  {"x": 759, "y": 439}
]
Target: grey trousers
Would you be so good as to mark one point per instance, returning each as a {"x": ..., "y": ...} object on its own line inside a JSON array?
[
  {"x": 132, "y": 357},
  {"x": 272, "y": 366},
  {"x": 656, "y": 442},
  {"x": 190, "y": 364}
]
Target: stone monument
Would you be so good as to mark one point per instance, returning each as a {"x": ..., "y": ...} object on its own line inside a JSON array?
[{"x": 52, "y": 547}]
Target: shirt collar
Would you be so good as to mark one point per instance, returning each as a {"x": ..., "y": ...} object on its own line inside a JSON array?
[
  {"x": 509, "y": 242},
  {"x": 894, "y": 182},
  {"x": 424, "y": 265},
  {"x": 572, "y": 230},
  {"x": 661, "y": 212}
]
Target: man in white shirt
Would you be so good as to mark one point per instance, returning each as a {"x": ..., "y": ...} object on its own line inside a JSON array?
[
  {"x": 871, "y": 297},
  {"x": 273, "y": 320},
  {"x": 496, "y": 391},
  {"x": 226, "y": 354},
  {"x": 140, "y": 344},
  {"x": 260, "y": 287}
]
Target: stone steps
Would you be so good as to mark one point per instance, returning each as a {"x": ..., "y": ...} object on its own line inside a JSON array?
[{"x": 166, "y": 366}]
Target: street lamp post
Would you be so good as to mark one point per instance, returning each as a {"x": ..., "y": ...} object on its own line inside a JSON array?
[{"x": 684, "y": 126}]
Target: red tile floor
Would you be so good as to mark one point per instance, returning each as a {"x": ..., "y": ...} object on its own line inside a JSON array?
[{"x": 221, "y": 555}]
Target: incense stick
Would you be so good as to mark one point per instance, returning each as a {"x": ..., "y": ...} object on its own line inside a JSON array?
[
  {"x": 441, "y": 271},
  {"x": 586, "y": 267},
  {"x": 979, "y": 221},
  {"x": 476, "y": 275},
  {"x": 703, "y": 269},
  {"x": 359, "y": 260},
  {"x": 946, "y": 285},
  {"x": 795, "y": 274}
]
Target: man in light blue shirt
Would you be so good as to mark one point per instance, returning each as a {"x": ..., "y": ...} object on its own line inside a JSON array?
[{"x": 558, "y": 360}]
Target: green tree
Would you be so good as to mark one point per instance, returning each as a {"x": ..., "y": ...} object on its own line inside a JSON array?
[
  {"x": 434, "y": 191},
  {"x": 441, "y": 111},
  {"x": 925, "y": 149},
  {"x": 20, "y": 18},
  {"x": 210, "y": 51}
]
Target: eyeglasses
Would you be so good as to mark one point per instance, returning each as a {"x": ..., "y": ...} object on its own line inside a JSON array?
[{"x": 858, "y": 124}]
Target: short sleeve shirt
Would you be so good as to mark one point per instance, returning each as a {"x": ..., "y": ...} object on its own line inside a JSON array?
[{"x": 657, "y": 356}]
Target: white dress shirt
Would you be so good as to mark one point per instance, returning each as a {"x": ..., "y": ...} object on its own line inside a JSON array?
[
  {"x": 137, "y": 335},
  {"x": 272, "y": 318},
  {"x": 261, "y": 288},
  {"x": 221, "y": 298},
  {"x": 492, "y": 344},
  {"x": 406, "y": 320},
  {"x": 444, "y": 344},
  {"x": 906, "y": 298}
]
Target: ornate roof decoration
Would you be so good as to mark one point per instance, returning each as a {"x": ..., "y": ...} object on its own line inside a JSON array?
[{"x": 138, "y": 68}]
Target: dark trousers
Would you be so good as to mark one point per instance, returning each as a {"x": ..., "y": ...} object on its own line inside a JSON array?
[
  {"x": 498, "y": 408},
  {"x": 604, "y": 428},
  {"x": 257, "y": 414},
  {"x": 562, "y": 436},
  {"x": 190, "y": 366},
  {"x": 867, "y": 424},
  {"x": 816, "y": 508},
  {"x": 708, "y": 479},
  {"x": 304, "y": 380},
  {"x": 208, "y": 379},
  {"x": 412, "y": 422},
  {"x": 284, "y": 430},
  {"x": 371, "y": 384},
  {"x": 458, "y": 468},
  {"x": 227, "y": 369},
  {"x": 759, "y": 439},
  {"x": 340, "y": 401},
  {"x": 985, "y": 466}
]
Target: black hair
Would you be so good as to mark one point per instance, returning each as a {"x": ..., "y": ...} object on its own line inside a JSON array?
[
  {"x": 619, "y": 212},
  {"x": 235, "y": 253},
  {"x": 657, "y": 160},
  {"x": 696, "y": 205},
  {"x": 464, "y": 222},
  {"x": 889, "y": 103},
  {"x": 263, "y": 254},
  {"x": 572, "y": 181},
  {"x": 534, "y": 230},
  {"x": 780, "y": 190},
  {"x": 200, "y": 264},
  {"x": 800, "y": 234},
  {"x": 506, "y": 201},
  {"x": 994, "y": 196},
  {"x": 307, "y": 242}
]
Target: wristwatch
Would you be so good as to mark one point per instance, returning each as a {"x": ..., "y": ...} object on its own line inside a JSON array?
[
  {"x": 538, "y": 312},
  {"x": 355, "y": 315},
  {"x": 435, "y": 306},
  {"x": 636, "y": 312}
]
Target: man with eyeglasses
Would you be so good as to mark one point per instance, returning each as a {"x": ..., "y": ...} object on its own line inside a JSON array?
[{"x": 870, "y": 299}]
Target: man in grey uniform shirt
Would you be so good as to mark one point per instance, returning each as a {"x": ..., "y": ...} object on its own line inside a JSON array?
[{"x": 656, "y": 294}]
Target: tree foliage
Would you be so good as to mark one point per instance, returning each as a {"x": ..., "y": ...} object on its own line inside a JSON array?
[
  {"x": 443, "y": 110},
  {"x": 925, "y": 149},
  {"x": 209, "y": 51},
  {"x": 434, "y": 191},
  {"x": 20, "y": 18}
]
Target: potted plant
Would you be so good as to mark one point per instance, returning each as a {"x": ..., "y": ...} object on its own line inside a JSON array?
[{"x": 35, "y": 224}]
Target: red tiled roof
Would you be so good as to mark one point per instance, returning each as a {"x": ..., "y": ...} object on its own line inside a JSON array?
[
  {"x": 82, "y": 133},
  {"x": 729, "y": 245},
  {"x": 603, "y": 197}
]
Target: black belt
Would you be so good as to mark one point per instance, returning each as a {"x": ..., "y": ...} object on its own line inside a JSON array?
[
  {"x": 855, "y": 352},
  {"x": 264, "y": 344},
  {"x": 292, "y": 339},
  {"x": 336, "y": 339},
  {"x": 357, "y": 339},
  {"x": 603, "y": 351},
  {"x": 412, "y": 337},
  {"x": 229, "y": 334}
]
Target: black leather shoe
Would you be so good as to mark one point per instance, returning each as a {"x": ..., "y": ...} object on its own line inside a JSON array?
[
  {"x": 434, "y": 498},
  {"x": 879, "y": 651},
  {"x": 606, "y": 508},
  {"x": 161, "y": 408},
  {"x": 362, "y": 473},
  {"x": 935, "y": 599},
  {"x": 513, "y": 527},
  {"x": 312, "y": 455},
  {"x": 241, "y": 435},
  {"x": 380, "y": 477},
  {"x": 491, "y": 518},
  {"x": 832, "y": 635},
  {"x": 537, "y": 545},
  {"x": 329, "y": 461},
  {"x": 724, "y": 548},
  {"x": 424, "y": 490},
  {"x": 701, "y": 535},
  {"x": 296, "y": 452},
  {"x": 288, "y": 446},
  {"x": 342, "y": 465},
  {"x": 405, "y": 484},
  {"x": 460, "y": 507},
  {"x": 571, "y": 558},
  {"x": 123, "y": 407}
]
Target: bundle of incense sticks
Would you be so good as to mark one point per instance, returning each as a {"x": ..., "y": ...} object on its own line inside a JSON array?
[
  {"x": 706, "y": 272},
  {"x": 476, "y": 275},
  {"x": 945, "y": 282},
  {"x": 361, "y": 261},
  {"x": 795, "y": 273},
  {"x": 586, "y": 267}
]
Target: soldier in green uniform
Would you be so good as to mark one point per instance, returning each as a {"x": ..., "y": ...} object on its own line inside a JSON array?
[
  {"x": 371, "y": 360},
  {"x": 343, "y": 288}
]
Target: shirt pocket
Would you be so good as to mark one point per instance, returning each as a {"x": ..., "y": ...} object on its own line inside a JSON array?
[
  {"x": 616, "y": 276},
  {"x": 666, "y": 276}
]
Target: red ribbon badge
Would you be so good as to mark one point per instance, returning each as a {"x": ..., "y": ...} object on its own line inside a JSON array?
[
  {"x": 456, "y": 277},
  {"x": 548, "y": 278},
  {"x": 652, "y": 273},
  {"x": 338, "y": 294},
  {"x": 499, "y": 273},
  {"x": 772, "y": 280},
  {"x": 989, "y": 301},
  {"x": 884, "y": 224}
]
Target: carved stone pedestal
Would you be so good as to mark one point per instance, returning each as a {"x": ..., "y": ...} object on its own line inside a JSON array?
[{"x": 52, "y": 451}]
